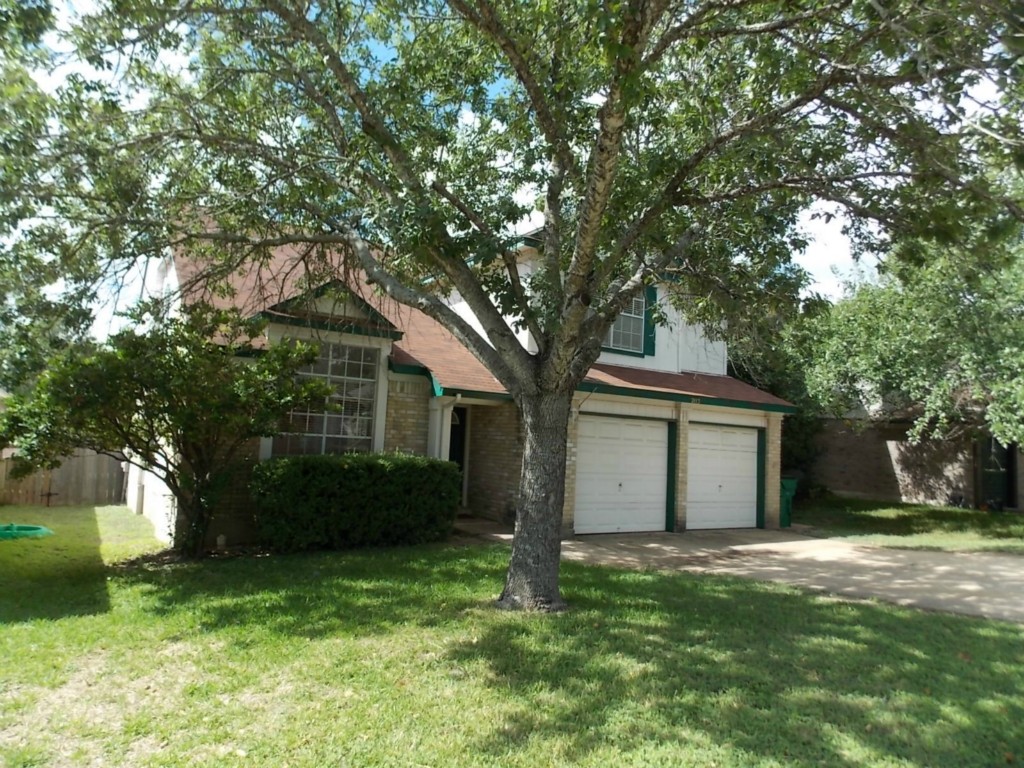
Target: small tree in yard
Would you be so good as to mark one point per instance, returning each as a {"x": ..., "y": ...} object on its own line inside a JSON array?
[
  {"x": 654, "y": 140},
  {"x": 176, "y": 399}
]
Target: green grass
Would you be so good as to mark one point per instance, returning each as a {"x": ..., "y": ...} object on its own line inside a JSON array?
[
  {"x": 396, "y": 658},
  {"x": 913, "y": 526}
]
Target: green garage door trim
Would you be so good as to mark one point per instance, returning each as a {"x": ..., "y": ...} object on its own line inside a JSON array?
[
  {"x": 673, "y": 463},
  {"x": 672, "y": 460},
  {"x": 762, "y": 472},
  {"x": 759, "y": 465}
]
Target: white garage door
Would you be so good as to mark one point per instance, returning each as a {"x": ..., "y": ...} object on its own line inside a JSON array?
[
  {"x": 621, "y": 475},
  {"x": 721, "y": 477}
]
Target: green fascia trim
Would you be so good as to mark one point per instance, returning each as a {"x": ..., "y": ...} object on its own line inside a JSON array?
[
  {"x": 417, "y": 370},
  {"x": 670, "y": 494},
  {"x": 762, "y": 469},
  {"x": 438, "y": 389},
  {"x": 599, "y": 389},
  {"x": 650, "y": 301},
  {"x": 410, "y": 370},
  {"x": 648, "y": 394},
  {"x": 338, "y": 285},
  {"x": 529, "y": 241},
  {"x": 502, "y": 396},
  {"x": 326, "y": 325},
  {"x": 626, "y": 352}
]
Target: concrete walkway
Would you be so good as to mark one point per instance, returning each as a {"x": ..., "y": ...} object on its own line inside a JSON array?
[{"x": 976, "y": 584}]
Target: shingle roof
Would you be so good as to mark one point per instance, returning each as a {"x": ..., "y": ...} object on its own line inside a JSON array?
[
  {"x": 684, "y": 386},
  {"x": 427, "y": 346}
]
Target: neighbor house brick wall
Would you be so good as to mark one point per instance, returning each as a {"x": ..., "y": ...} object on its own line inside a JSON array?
[
  {"x": 879, "y": 462},
  {"x": 408, "y": 415},
  {"x": 495, "y": 460}
]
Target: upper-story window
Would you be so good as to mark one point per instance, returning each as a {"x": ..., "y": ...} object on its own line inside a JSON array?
[
  {"x": 627, "y": 333},
  {"x": 347, "y": 424}
]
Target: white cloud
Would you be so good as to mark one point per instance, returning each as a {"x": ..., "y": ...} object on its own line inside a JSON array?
[{"x": 829, "y": 257}]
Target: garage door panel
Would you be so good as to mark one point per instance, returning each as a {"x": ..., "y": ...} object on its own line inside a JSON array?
[
  {"x": 721, "y": 477},
  {"x": 621, "y": 475}
]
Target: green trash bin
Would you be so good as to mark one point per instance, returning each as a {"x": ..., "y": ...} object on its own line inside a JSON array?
[{"x": 787, "y": 492}]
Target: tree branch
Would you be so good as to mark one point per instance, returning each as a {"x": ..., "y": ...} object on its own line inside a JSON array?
[{"x": 485, "y": 18}]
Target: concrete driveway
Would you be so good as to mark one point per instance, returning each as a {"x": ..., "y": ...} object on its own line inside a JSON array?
[{"x": 976, "y": 584}]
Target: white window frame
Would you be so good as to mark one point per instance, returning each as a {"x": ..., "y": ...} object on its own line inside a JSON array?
[
  {"x": 613, "y": 341},
  {"x": 279, "y": 333}
]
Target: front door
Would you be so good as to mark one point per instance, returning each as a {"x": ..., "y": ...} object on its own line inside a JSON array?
[{"x": 457, "y": 439}]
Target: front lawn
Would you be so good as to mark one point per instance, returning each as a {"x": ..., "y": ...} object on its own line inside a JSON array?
[
  {"x": 396, "y": 658},
  {"x": 912, "y": 526}
]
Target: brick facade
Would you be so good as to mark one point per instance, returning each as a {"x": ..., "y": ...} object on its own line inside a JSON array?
[
  {"x": 495, "y": 460},
  {"x": 405, "y": 430},
  {"x": 408, "y": 415},
  {"x": 233, "y": 516},
  {"x": 682, "y": 465},
  {"x": 773, "y": 471},
  {"x": 571, "y": 452}
]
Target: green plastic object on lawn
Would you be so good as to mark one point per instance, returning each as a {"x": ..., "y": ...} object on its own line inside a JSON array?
[
  {"x": 787, "y": 492},
  {"x": 14, "y": 531}
]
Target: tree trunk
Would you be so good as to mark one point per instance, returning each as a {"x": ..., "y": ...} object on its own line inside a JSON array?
[
  {"x": 532, "y": 579},
  {"x": 193, "y": 522}
]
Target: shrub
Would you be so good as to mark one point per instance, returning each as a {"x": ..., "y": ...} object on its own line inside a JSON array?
[{"x": 354, "y": 500}]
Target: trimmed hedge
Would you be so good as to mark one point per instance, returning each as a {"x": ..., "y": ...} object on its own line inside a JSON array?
[{"x": 354, "y": 500}]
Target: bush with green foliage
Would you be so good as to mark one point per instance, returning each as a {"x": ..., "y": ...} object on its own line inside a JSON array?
[
  {"x": 354, "y": 500},
  {"x": 180, "y": 396}
]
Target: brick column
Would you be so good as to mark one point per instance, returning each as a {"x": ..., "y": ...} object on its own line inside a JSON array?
[
  {"x": 773, "y": 471},
  {"x": 682, "y": 456},
  {"x": 569, "y": 502}
]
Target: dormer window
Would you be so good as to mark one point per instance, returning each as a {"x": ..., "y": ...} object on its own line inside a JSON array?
[
  {"x": 632, "y": 333},
  {"x": 627, "y": 333}
]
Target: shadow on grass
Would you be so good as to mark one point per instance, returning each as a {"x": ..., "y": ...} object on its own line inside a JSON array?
[
  {"x": 724, "y": 669},
  {"x": 324, "y": 594},
  {"x": 56, "y": 576},
  {"x": 839, "y": 517},
  {"x": 649, "y": 659}
]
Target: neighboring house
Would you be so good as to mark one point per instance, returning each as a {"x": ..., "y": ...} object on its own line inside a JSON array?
[
  {"x": 874, "y": 459},
  {"x": 660, "y": 438}
]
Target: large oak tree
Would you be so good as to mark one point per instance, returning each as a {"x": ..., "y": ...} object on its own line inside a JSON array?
[{"x": 655, "y": 140}]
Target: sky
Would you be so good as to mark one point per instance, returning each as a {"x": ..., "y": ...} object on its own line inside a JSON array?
[{"x": 828, "y": 258}]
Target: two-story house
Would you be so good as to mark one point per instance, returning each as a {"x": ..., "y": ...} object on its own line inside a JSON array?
[{"x": 660, "y": 437}]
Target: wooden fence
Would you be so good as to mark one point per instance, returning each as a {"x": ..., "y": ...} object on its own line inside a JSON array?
[{"x": 84, "y": 478}]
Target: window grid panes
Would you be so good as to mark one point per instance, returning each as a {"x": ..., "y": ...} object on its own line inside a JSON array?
[
  {"x": 347, "y": 425},
  {"x": 627, "y": 333}
]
